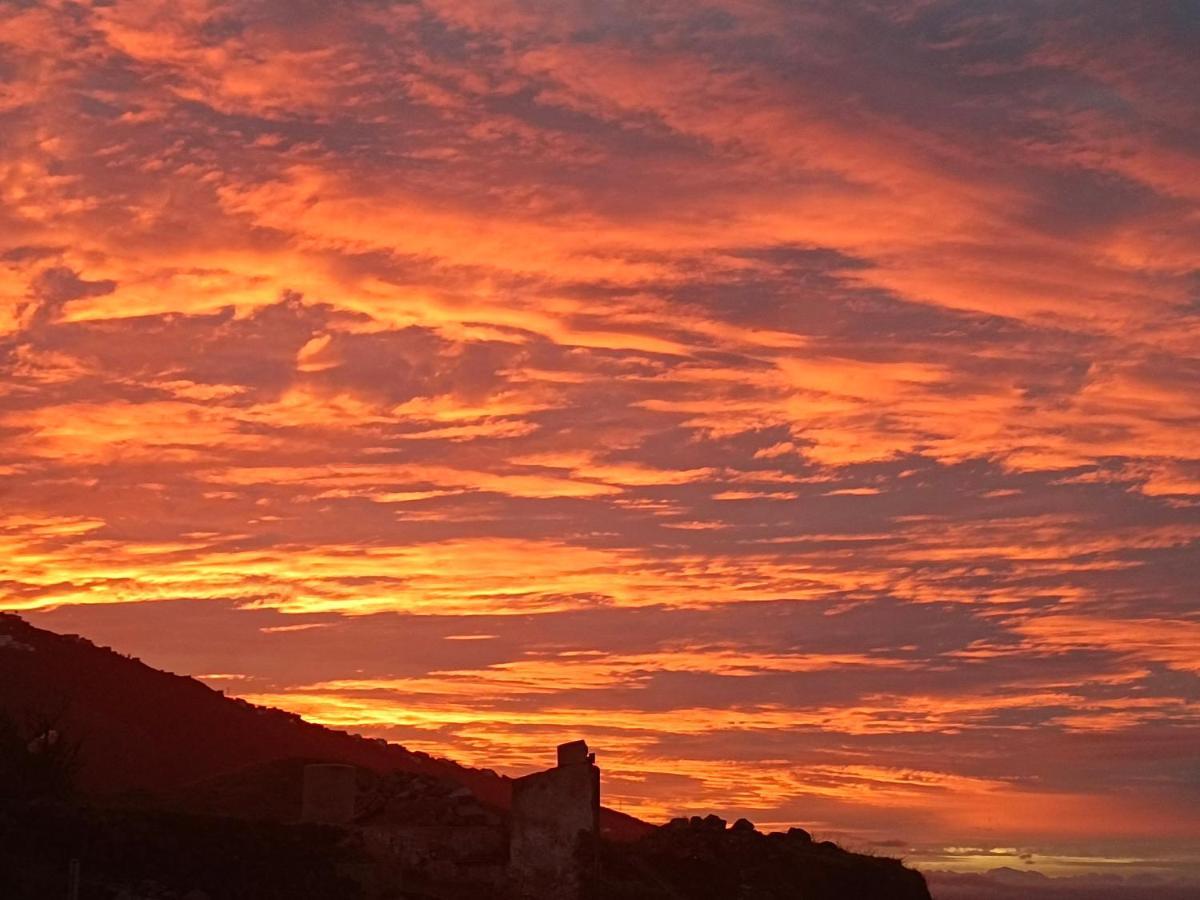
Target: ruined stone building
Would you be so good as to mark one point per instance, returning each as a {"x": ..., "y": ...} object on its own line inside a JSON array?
[
  {"x": 554, "y": 814},
  {"x": 429, "y": 834}
]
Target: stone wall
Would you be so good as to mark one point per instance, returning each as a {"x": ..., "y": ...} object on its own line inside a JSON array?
[
  {"x": 552, "y": 812},
  {"x": 448, "y": 855},
  {"x": 426, "y": 834}
]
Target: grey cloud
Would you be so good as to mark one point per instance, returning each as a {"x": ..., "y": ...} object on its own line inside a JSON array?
[{"x": 53, "y": 288}]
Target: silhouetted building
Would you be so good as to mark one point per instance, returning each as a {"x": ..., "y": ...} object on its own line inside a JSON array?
[
  {"x": 555, "y": 820},
  {"x": 424, "y": 833}
]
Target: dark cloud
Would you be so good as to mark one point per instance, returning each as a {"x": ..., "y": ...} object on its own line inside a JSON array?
[{"x": 55, "y": 287}]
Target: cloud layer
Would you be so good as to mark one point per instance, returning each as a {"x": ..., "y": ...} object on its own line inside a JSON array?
[{"x": 799, "y": 398}]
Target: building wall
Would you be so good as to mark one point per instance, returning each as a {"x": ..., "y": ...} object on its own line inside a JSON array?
[
  {"x": 550, "y": 811},
  {"x": 446, "y": 855}
]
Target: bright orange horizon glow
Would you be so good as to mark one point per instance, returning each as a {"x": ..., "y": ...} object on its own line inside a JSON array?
[{"x": 801, "y": 401}]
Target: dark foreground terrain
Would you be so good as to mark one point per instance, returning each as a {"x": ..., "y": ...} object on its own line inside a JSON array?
[
  {"x": 142, "y": 854},
  {"x": 136, "y": 854}
]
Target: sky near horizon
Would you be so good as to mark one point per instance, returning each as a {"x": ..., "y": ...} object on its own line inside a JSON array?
[{"x": 800, "y": 400}]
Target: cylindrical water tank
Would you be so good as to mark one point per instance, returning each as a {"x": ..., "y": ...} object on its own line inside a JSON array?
[{"x": 329, "y": 790}]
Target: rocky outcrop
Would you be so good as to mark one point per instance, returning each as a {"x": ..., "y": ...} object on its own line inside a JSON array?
[{"x": 702, "y": 859}]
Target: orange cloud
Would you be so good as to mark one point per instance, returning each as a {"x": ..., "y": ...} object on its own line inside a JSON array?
[{"x": 855, "y": 357}]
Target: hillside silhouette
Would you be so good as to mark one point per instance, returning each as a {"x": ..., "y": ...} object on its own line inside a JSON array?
[
  {"x": 151, "y": 731},
  {"x": 161, "y": 788}
]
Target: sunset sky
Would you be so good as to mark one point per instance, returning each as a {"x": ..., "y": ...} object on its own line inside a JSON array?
[{"x": 798, "y": 399}]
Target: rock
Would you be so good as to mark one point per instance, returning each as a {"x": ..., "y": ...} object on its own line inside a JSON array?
[{"x": 702, "y": 858}]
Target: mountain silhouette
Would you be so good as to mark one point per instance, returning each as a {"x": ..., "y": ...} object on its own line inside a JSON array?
[
  {"x": 184, "y": 792},
  {"x": 145, "y": 730}
]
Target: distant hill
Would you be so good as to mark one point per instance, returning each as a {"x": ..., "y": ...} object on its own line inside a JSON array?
[
  {"x": 1009, "y": 884},
  {"x": 145, "y": 730},
  {"x": 1006, "y": 883}
]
